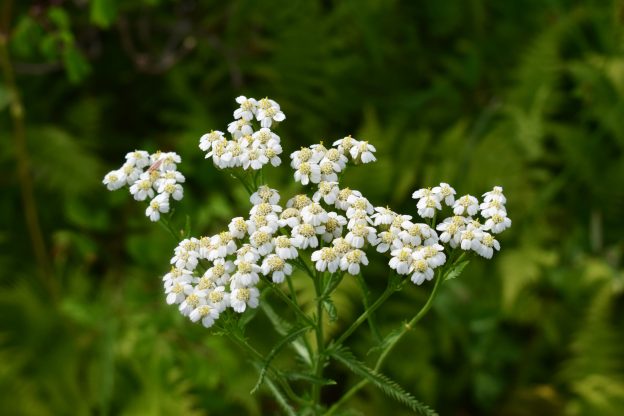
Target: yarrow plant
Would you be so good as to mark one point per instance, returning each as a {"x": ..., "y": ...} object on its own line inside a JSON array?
[{"x": 325, "y": 232}]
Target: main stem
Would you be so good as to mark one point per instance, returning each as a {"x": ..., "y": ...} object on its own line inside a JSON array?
[
  {"x": 320, "y": 342},
  {"x": 390, "y": 346}
]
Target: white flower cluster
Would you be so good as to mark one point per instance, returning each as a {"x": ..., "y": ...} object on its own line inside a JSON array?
[
  {"x": 333, "y": 226},
  {"x": 152, "y": 176},
  {"x": 463, "y": 229},
  {"x": 249, "y": 148},
  {"x": 317, "y": 163}
]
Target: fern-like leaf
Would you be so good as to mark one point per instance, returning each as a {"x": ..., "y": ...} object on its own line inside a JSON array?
[{"x": 386, "y": 385}]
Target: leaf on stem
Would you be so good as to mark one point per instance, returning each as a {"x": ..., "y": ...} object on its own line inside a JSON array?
[
  {"x": 282, "y": 327},
  {"x": 296, "y": 376},
  {"x": 456, "y": 270},
  {"x": 278, "y": 347},
  {"x": 329, "y": 306},
  {"x": 279, "y": 397},
  {"x": 386, "y": 385}
]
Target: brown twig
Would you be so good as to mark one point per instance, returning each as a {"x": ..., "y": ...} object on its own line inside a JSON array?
[{"x": 21, "y": 154}]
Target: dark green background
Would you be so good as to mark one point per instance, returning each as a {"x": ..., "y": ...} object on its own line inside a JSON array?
[{"x": 523, "y": 94}]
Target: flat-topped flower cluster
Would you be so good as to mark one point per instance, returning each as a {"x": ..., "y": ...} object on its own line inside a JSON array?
[
  {"x": 330, "y": 227},
  {"x": 154, "y": 177}
]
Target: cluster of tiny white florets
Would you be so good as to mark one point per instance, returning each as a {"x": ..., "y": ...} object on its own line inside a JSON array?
[
  {"x": 463, "y": 229},
  {"x": 330, "y": 228},
  {"x": 154, "y": 177},
  {"x": 252, "y": 146},
  {"x": 317, "y": 164}
]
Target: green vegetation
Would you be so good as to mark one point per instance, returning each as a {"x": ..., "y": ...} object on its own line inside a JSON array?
[{"x": 525, "y": 94}]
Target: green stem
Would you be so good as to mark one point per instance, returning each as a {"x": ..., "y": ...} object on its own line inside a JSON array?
[
  {"x": 274, "y": 373},
  {"x": 390, "y": 346},
  {"x": 292, "y": 304},
  {"x": 247, "y": 186},
  {"x": 320, "y": 342},
  {"x": 366, "y": 303},
  {"x": 164, "y": 222},
  {"x": 291, "y": 288},
  {"x": 364, "y": 316}
]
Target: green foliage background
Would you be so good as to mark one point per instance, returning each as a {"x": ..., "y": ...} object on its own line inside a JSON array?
[{"x": 527, "y": 94}]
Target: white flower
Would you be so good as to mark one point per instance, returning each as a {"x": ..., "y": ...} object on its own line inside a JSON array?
[
  {"x": 266, "y": 117},
  {"x": 239, "y": 128},
  {"x": 487, "y": 246},
  {"x": 308, "y": 172},
  {"x": 470, "y": 239},
  {"x": 383, "y": 216},
  {"x": 206, "y": 141},
  {"x": 171, "y": 188},
  {"x": 326, "y": 259},
  {"x": 115, "y": 179},
  {"x": 265, "y": 194},
  {"x": 305, "y": 154},
  {"x": 333, "y": 226},
  {"x": 217, "y": 152},
  {"x": 362, "y": 152},
  {"x": 242, "y": 297},
  {"x": 262, "y": 240},
  {"x": 385, "y": 240},
  {"x": 342, "y": 201},
  {"x": 207, "y": 313},
  {"x": 220, "y": 271},
  {"x": 337, "y": 158},
  {"x": 451, "y": 229},
  {"x": 497, "y": 223},
  {"x": 327, "y": 191},
  {"x": 194, "y": 299},
  {"x": 142, "y": 189},
  {"x": 329, "y": 171},
  {"x": 223, "y": 245},
  {"x": 247, "y": 108},
  {"x": 158, "y": 205},
  {"x": 184, "y": 259},
  {"x": 360, "y": 234},
  {"x": 248, "y": 253},
  {"x": 219, "y": 298},
  {"x": 177, "y": 275},
  {"x": 314, "y": 214},
  {"x": 304, "y": 236},
  {"x": 298, "y": 201},
  {"x": 495, "y": 194},
  {"x": 434, "y": 254},
  {"x": 165, "y": 161},
  {"x": 445, "y": 193},
  {"x": 427, "y": 206},
  {"x": 284, "y": 248},
  {"x": 351, "y": 261},
  {"x": 246, "y": 273},
  {"x": 238, "y": 227},
  {"x": 417, "y": 234},
  {"x": 275, "y": 266},
  {"x": 272, "y": 151},
  {"x": 358, "y": 204},
  {"x": 492, "y": 207},
  {"x": 345, "y": 144},
  {"x": 258, "y": 221},
  {"x": 401, "y": 260},
  {"x": 131, "y": 172},
  {"x": 176, "y": 293},
  {"x": 290, "y": 217},
  {"x": 138, "y": 158},
  {"x": 422, "y": 271},
  {"x": 466, "y": 205}
]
